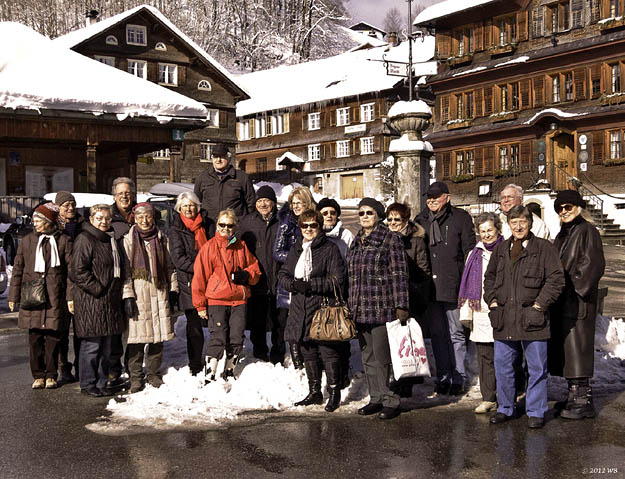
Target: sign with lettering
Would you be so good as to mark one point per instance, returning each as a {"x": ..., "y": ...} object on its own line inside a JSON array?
[
  {"x": 177, "y": 134},
  {"x": 355, "y": 128},
  {"x": 398, "y": 69}
]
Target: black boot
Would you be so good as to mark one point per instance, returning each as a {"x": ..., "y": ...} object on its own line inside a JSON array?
[
  {"x": 296, "y": 356},
  {"x": 582, "y": 405},
  {"x": 333, "y": 375},
  {"x": 231, "y": 362},
  {"x": 314, "y": 385},
  {"x": 560, "y": 405}
]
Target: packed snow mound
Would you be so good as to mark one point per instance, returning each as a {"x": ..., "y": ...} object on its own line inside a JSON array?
[
  {"x": 27, "y": 58},
  {"x": 403, "y": 143},
  {"x": 403, "y": 107},
  {"x": 610, "y": 336}
]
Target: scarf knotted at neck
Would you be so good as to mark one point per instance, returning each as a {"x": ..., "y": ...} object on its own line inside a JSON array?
[
  {"x": 40, "y": 262},
  {"x": 196, "y": 226},
  {"x": 304, "y": 267},
  {"x": 471, "y": 283},
  {"x": 150, "y": 268},
  {"x": 435, "y": 229}
]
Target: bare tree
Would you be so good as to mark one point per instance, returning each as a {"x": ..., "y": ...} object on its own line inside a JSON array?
[{"x": 393, "y": 21}]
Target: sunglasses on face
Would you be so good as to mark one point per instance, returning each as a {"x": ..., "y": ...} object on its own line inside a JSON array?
[
  {"x": 394, "y": 220},
  {"x": 328, "y": 213},
  {"x": 312, "y": 226},
  {"x": 565, "y": 207},
  {"x": 368, "y": 213},
  {"x": 226, "y": 225}
]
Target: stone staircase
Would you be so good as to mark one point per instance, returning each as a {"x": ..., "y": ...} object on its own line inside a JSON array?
[{"x": 612, "y": 233}]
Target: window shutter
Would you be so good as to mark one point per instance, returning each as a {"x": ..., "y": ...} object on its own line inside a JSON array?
[
  {"x": 521, "y": 21},
  {"x": 322, "y": 151},
  {"x": 526, "y": 152},
  {"x": 577, "y": 13},
  {"x": 377, "y": 143},
  {"x": 252, "y": 128},
  {"x": 478, "y": 37},
  {"x": 479, "y": 108},
  {"x": 489, "y": 155},
  {"x": 579, "y": 81},
  {"x": 547, "y": 15},
  {"x": 269, "y": 121},
  {"x": 333, "y": 117},
  {"x": 355, "y": 147},
  {"x": 152, "y": 72},
  {"x": 286, "y": 126},
  {"x": 539, "y": 91},
  {"x": 182, "y": 75},
  {"x": 333, "y": 149},
  {"x": 526, "y": 97},
  {"x": 595, "y": 75},
  {"x": 538, "y": 22},
  {"x": 446, "y": 164},
  {"x": 488, "y": 100},
  {"x": 605, "y": 9},
  {"x": 488, "y": 35},
  {"x": 379, "y": 109},
  {"x": 122, "y": 64},
  {"x": 445, "y": 109},
  {"x": 453, "y": 108},
  {"x": 387, "y": 143},
  {"x": 497, "y": 106},
  {"x": 322, "y": 119},
  {"x": 304, "y": 121},
  {"x": 479, "y": 162},
  {"x": 437, "y": 110},
  {"x": 443, "y": 44},
  {"x": 222, "y": 119},
  {"x": 355, "y": 114},
  {"x": 598, "y": 145}
]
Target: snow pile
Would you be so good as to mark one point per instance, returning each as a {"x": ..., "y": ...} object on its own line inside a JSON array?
[
  {"x": 466, "y": 72},
  {"x": 403, "y": 107},
  {"x": 27, "y": 59},
  {"x": 404, "y": 143},
  {"x": 521, "y": 59},
  {"x": 610, "y": 336},
  {"x": 448, "y": 7},
  {"x": 557, "y": 112}
]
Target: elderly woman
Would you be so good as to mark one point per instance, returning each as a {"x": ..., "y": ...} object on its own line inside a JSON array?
[
  {"x": 299, "y": 201},
  {"x": 312, "y": 269},
  {"x": 43, "y": 255},
  {"x": 474, "y": 310},
  {"x": 571, "y": 347},
  {"x": 190, "y": 230},
  {"x": 150, "y": 295},
  {"x": 378, "y": 293},
  {"x": 524, "y": 277},
  {"x": 412, "y": 236},
  {"x": 223, "y": 272},
  {"x": 97, "y": 270}
]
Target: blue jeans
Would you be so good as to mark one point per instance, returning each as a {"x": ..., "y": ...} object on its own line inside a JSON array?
[
  {"x": 506, "y": 353},
  {"x": 449, "y": 341},
  {"x": 94, "y": 361}
]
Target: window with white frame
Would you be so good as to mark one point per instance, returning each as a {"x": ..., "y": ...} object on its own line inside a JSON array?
[
  {"x": 615, "y": 78},
  {"x": 111, "y": 40},
  {"x": 366, "y": 145},
  {"x": 367, "y": 112},
  {"x": 342, "y": 148},
  {"x": 167, "y": 74},
  {"x": 204, "y": 85},
  {"x": 314, "y": 152},
  {"x": 260, "y": 127},
  {"x": 615, "y": 144},
  {"x": 280, "y": 123},
  {"x": 138, "y": 68},
  {"x": 244, "y": 130},
  {"x": 342, "y": 116},
  {"x": 213, "y": 117},
  {"x": 110, "y": 61},
  {"x": 314, "y": 121},
  {"x": 205, "y": 152},
  {"x": 136, "y": 35},
  {"x": 161, "y": 154}
]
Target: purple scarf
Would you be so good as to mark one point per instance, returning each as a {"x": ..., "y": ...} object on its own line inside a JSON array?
[{"x": 471, "y": 283}]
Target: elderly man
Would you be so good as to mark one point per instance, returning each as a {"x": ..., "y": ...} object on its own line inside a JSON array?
[
  {"x": 450, "y": 236},
  {"x": 512, "y": 195},
  {"x": 524, "y": 277},
  {"x": 222, "y": 186},
  {"x": 258, "y": 231}
]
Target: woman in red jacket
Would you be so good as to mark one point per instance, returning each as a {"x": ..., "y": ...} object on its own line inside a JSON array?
[{"x": 223, "y": 271}]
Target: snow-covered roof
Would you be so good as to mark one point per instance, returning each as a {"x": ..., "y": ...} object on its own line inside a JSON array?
[
  {"x": 77, "y": 37},
  {"x": 362, "y": 39},
  {"x": 36, "y": 73},
  {"x": 446, "y": 8},
  {"x": 348, "y": 74},
  {"x": 557, "y": 112},
  {"x": 287, "y": 157},
  {"x": 367, "y": 26}
]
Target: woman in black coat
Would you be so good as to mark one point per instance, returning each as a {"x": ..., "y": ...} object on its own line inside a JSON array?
[
  {"x": 97, "y": 270},
  {"x": 313, "y": 266},
  {"x": 188, "y": 233},
  {"x": 571, "y": 347}
]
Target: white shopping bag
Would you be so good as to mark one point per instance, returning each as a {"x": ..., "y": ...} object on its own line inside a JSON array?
[{"x": 407, "y": 349}]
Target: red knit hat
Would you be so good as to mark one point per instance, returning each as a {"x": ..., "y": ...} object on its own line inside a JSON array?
[{"x": 48, "y": 212}]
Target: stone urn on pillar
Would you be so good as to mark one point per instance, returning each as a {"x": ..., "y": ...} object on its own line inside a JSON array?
[{"x": 411, "y": 153}]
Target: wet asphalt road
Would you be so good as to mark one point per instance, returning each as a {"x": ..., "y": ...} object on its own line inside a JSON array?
[{"x": 43, "y": 434}]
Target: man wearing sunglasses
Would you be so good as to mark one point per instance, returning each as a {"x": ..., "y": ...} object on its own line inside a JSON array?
[
  {"x": 450, "y": 236},
  {"x": 512, "y": 195}
]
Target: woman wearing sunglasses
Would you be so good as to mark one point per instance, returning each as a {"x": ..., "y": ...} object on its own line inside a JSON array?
[
  {"x": 378, "y": 293},
  {"x": 224, "y": 270},
  {"x": 312, "y": 269},
  {"x": 571, "y": 347}
]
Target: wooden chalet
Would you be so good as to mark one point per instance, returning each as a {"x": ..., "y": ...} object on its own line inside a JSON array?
[{"x": 144, "y": 43}]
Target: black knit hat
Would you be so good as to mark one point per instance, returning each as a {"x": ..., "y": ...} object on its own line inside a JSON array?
[
  {"x": 220, "y": 150},
  {"x": 266, "y": 191},
  {"x": 571, "y": 197},
  {"x": 436, "y": 189},
  {"x": 375, "y": 204},
  {"x": 329, "y": 203}
]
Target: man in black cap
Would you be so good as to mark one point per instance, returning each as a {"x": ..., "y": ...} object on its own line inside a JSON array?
[
  {"x": 451, "y": 236},
  {"x": 258, "y": 230},
  {"x": 222, "y": 186}
]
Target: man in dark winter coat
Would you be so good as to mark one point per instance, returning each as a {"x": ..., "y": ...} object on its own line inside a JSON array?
[
  {"x": 222, "y": 186},
  {"x": 258, "y": 230},
  {"x": 450, "y": 237},
  {"x": 523, "y": 279}
]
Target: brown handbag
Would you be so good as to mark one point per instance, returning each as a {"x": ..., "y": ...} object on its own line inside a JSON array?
[{"x": 333, "y": 323}]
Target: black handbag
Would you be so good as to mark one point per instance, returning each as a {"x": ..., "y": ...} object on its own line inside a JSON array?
[{"x": 33, "y": 294}]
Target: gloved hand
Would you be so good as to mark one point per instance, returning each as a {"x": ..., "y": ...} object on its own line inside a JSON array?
[
  {"x": 130, "y": 307},
  {"x": 300, "y": 286},
  {"x": 403, "y": 315},
  {"x": 240, "y": 277},
  {"x": 173, "y": 300}
]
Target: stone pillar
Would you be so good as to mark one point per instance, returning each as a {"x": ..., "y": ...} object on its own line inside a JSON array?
[
  {"x": 175, "y": 158},
  {"x": 412, "y": 178},
  {"x": 92, "y": 179}
]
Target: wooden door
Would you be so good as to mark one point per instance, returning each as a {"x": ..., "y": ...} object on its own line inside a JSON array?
[
  {"x": 564, "y": 160},
  {"x": 351, "y": 186}
]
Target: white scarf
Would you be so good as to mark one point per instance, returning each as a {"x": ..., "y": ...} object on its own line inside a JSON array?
[
  {"x": 116, "y": 262},
  {"x": 40, "y": 262},
  {"x": 303, "y": 268}
]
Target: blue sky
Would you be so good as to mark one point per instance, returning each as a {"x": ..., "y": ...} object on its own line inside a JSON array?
[{"x": 374, "y": 11}]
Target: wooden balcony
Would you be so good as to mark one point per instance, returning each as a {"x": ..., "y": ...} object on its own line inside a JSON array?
[
  {"x": 612, "y": 23},
  {"x": 613, "y": 98},
  {"x": 502, "y": 49},
  {"x": 460, "y": 60},
  {"x": 503, "y": 116},
  {"x": 458, "y": 124}
]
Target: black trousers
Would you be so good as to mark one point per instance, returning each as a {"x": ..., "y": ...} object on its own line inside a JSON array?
[
  {"x": 226, "y": 325},
  {"x": 65, "y": 365},
  {"x": 486, "y": 367},
  {"x": 43, "y": 348},
  {"x": 262, "y": 315},
  {"x": 326, "y": 352},
  {"x": 195, "y": 340},
  {"x": 153, "y": 360},
  {"x": 115, "y": 359}
]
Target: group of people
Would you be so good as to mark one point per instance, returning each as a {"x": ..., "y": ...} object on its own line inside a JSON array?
[{"x": 232, "y": 261}]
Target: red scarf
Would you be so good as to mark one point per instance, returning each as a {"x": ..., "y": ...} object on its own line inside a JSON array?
[{"x": 196, "y": 225}]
